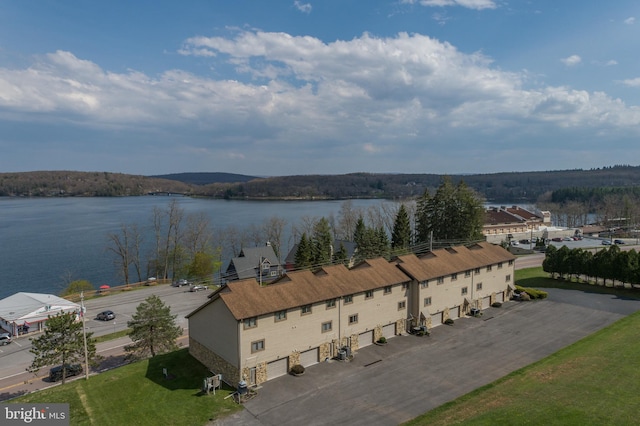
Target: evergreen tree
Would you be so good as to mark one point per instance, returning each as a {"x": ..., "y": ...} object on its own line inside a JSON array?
[
  {"x": 340, "y": 255},
  {"x": 401, "y": 236},
  {"x": 304, "y": 254},
  {"x": 322, "y": 242},
  {"x": 153, "y": 329},
  {"x": 358, "y": 234},
  {"x": 454, "y": 213},
  {"x": 62, "y": 343}
]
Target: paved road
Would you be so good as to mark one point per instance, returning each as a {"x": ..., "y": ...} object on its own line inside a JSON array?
[
  {"x": 15, "y": 358},
  {"x": 411, "y": 375}
]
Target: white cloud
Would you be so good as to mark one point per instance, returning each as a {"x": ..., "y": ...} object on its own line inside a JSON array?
[
  {"x": 297, "y": 95},
  {"x": 470, "y": 4},
  {"x": 571, "y": 60},
  {"x": 611, "y": 62},
  {"x": 630, "y": 20},
  {"x": 632, "y": 82},
  {"x": 302, "y": 7}
]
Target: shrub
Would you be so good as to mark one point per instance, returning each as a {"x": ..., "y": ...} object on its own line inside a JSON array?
[
  {"x": 496, "y": 304},
  {"x": 297, "y": 369},
  {"x": 382, "y": 340},
  {"x": 448, "y": 321}
]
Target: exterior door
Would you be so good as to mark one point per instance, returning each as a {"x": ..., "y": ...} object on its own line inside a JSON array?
[
  {"x": 277, "y": 368},
  {"x": 309, "y": 357},
  {"x": 365, "y": 339}
]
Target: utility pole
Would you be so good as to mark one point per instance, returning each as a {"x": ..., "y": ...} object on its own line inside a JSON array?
[{"x": 84, "y": 337}]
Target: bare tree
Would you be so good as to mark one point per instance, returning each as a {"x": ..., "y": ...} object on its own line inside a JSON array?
[
  {"x": 119, "y": 246},
  {"x": 273, "y": 228}
]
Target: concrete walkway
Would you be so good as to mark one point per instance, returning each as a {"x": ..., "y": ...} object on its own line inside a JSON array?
[{"x": 388, "y": 385}]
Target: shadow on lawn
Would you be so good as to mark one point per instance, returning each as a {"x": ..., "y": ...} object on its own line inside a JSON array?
[{"x": 177, "y": 370}]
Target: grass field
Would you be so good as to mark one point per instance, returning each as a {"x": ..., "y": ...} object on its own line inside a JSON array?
[
  {"x": 139, "y": 394},
  {"x": 595, "y": 381}
]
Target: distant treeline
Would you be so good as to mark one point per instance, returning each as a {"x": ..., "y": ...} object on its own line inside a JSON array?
[{"x": 521, "y": 187}]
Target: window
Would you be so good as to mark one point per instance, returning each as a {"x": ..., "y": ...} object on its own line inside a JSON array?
[
  {"x": 387, "y": 290},
  {"x": 507, "y": 278},
  {"x": 467, "y": 274},
  {"x": 266, "y": 266},
  {"x": 273, "y": 273},
  {"x": 510, "y": 262},
  {"x": 427, "y": 301},
  {"x": 306, "y": 309},
  {"x": 250, "y": 323},
  {"x": 464, "y": 290},
  {"x": 281, "y": 315},
  {"x": 348, "y": 299},
  {"x": 331, "y": 303},
  {"x": 440, "y": 280},
  {"x": 368, "y": 294},
  {"x": 402, "y": 305},
  {"x": 424, "y": 284},
  {"x": 327, "y": 326},
  {"x": 489, "y": 268},
  {"x": 454, "y": 277},
  {"x": 477, "y": 271},
  {"x": 499, "y": 265},
  {"x": 405, "y": 286},
  {"x": 479, "y": 286},
  {"x": 353, "y": 319},
  {"x": 257, "y": 346}
]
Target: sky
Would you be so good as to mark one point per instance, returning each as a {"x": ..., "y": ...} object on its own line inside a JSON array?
[{"x": 288, "y": 87}]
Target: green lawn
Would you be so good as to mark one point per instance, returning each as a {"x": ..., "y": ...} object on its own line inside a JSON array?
[
  {"x": 139, "y": 394},
  {"x": 595, "y": 381}
]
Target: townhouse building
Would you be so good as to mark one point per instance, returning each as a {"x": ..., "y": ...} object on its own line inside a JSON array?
[{"x": 252, "y": 332}]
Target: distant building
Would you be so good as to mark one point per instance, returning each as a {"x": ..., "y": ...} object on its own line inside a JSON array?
[
  {"x": 29, "y": 311},
  {"x": 260, "y": 263},
  {"x": 513, "y": 220}
]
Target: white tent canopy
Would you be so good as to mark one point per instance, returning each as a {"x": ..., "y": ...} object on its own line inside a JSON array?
[{"x": 32, "y": 310}]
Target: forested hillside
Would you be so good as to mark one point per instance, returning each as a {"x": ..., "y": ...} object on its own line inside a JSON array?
[{"x": 495, "y": 187}]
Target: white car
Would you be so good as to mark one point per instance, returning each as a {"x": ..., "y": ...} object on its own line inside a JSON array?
[
  {"x": 198, "y": 287},
  {"x": 5, "y": 339}
]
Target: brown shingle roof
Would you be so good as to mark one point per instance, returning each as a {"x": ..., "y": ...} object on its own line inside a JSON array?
[
  {"x": 442, "y": 262},
  {"x": 246, "y": 299},
  {"x": 497, "y": 217}
]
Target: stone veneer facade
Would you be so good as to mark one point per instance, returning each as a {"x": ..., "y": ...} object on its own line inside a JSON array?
[{"x": 214, "y": 363}]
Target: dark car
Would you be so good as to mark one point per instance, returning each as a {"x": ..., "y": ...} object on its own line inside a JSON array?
[
  {"x": 180, "y": 283},
  {"x": 606, "y": 242},
  {"x": 618, "y": 242},
  {"x": 55, "y": 373},
  {"x": 106, "y": 316},
  {"x": 557, "y": 239}
]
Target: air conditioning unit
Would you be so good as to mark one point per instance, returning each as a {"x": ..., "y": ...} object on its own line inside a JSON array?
[{"x": 342, "y": 355}]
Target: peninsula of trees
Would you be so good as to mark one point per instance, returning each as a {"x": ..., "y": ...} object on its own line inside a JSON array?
[{"x": 522, "y": 187}]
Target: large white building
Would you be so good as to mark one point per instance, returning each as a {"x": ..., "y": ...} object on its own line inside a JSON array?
[
  {"x": 255, "y": 333},
  {"x": 30, "y": 311}
]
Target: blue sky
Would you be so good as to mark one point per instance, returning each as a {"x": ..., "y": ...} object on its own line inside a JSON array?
[{"x": 285, "y": 87}]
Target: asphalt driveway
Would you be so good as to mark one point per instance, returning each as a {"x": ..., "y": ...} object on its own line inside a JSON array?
[{"x": 388, "y": 385}]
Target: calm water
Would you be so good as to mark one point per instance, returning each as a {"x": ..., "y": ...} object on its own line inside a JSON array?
[{"x": 45, "y": 241}]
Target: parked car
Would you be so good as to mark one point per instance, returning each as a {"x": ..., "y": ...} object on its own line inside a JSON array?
[
  {"x": 557, "y": 239},
  {"x": 151, "y": 281},
  {"x": 198, "y": 287},
  {"x": 618, "y": 242},
  {"x": 106, "y": 316},
  {"x": 606, "y": 242},
  {"x": 5, "y": 339},
  {"x": 55, "y": 373},
  {"x": 567, "y": 239},
  {"x": 180, "y": 283}
]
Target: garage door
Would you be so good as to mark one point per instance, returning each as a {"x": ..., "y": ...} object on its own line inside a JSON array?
[
  {"x": 436, "y": 319},
  {"x": 486, "y": 302},
  {"x": 454, "y": 312},
  {"x": 500, "y": 297},
  {"x": 309, "y": 357},
  {"x": 389, "y": 331},
  {"x": 277, "y": 368},
  {"x": 365, "y": 339}
]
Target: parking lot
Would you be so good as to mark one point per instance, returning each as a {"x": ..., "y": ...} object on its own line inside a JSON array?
[{"x": 388, "y": 385}]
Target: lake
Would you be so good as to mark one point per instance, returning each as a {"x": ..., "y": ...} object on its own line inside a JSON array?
[{"x": 44, "y": 242}]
